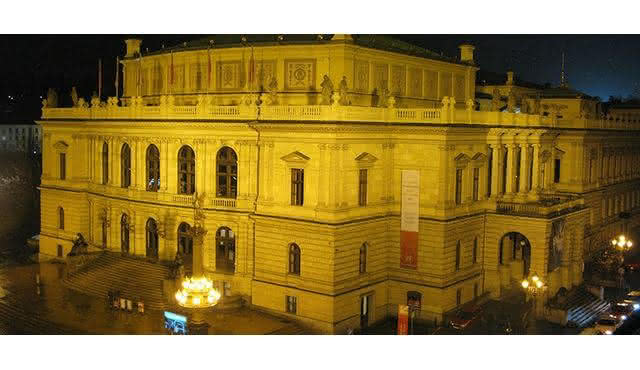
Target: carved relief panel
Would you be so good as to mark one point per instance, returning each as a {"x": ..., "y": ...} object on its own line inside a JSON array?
[
  {"x": 265, "y": 71},
  {"x": 398, "y": 80},
  {"x": 459, "y": 92},
  {"x": 381, "y": 77},
  {"x": 228, "y": 75},
  {"x": 300, "y": 74},
  {"x": 361, "y": 74},
  {"x": 431, "y": 84},
  {"x": 445, "y": 84},
  {"x": 197, "y": 79},
  {"x": 178, "y": 77},
  {"x": 415, "y": 82}
]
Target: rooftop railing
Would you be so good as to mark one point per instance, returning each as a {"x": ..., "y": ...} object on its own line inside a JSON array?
[{"x": 447, "y": 114}]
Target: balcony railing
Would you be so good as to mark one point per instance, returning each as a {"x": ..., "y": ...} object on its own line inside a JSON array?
[{"x": 549, "y": 207}]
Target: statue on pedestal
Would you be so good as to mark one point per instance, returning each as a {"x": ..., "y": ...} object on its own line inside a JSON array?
[
  {"x": 52, "y": 98},
  {"x": 511, "y": 102},
  {"x": 495, "y": 100},
  {"x": 79, "y": 246},
  {"x": 74, "y": 97},
  {"x": 344, "y": 90},
  {"x": 327, "y": 90}
]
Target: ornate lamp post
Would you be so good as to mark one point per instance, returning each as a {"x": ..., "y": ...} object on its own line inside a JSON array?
[
  {"x": 621, "y": 245},
  {"x": 197, "y": 292},
  {"x": 533, "y": 285}
]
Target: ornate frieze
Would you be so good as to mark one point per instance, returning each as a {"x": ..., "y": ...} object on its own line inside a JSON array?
[
  {"x": 361, "y": 73},
  {"x": 300, "y": 74}
]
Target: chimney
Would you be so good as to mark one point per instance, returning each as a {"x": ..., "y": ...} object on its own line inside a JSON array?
[
  {"x": 466, "y": 53},
  {"x": 510, "y": 78},
  {"x": 133, "y": 47}
]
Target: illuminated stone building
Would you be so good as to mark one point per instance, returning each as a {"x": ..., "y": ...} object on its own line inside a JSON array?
[{"x": 323, "y": 159}]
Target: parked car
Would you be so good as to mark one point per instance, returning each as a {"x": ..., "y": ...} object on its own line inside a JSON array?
[
  {"x": 607, "y": 324},
  {"x": 633, "y": 298},
  {"x": 466, "y": 317},
  {"x": 621, "y": 311}
]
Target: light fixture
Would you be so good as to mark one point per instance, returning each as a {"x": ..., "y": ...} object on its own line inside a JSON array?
[{"x": 197, "y": 293}]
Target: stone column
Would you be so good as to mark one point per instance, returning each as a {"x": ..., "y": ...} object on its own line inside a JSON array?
[
  {"x": 171, "y": 164},
  {"x": 535, "y": 182},
  {"x": 141, "y": 165},
  {"x": 495, "y": 169},
  {"x": 200, "y": 162},
  {"x": 524, "y": 169},
  {"x": 164, "y": 165},
  {"x": 510, "y": 180},
  {"x": 323, "y": 176}
]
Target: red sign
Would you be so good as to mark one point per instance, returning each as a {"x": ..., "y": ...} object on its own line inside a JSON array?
[
  {"x": 409, "y": 249},
  {"x": 403, "y": 319}
]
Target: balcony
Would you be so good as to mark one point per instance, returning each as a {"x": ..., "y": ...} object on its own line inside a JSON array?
[{"x": 547, "y": 207}]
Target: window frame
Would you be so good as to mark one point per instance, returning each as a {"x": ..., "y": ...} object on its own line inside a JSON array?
[
  {"x": 476, "y": 184},
  {"x": 294, "y": 259},
  {"x": 363, "y": 183},
  {"x": 125, "y": 166},
  {"x": 458, "y": 261},
  {"x": 60, "y": 218},
  {"x": 229, "y": 161},
  {"x": 105, "y": 163},
  {"x": 458, "y": 187},
  {"x": 187, "y": 158},
  {"x": 62, "y": 158},
  {"x": 363, "y": 258},
  {"x": 297, "y": 186},
  {"x": 291, "y": 304},
  {"x": 152, "y": 159}
]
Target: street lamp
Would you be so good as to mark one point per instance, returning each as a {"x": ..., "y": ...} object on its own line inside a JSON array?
[
  {"x": 197, "y": 292},
  {"x": 533, "y": 285},
  {"x": 621, "y": 243}
]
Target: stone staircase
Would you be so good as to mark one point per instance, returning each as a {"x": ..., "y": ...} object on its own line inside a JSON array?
[
  {"x": 134, "y": 278},
  {"x": 18, "y": 318},
  {"x": 583, "y": 307}
]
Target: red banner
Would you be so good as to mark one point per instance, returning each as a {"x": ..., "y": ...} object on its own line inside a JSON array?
[
  {"x": 403, "y": 319},
  {"x": 409, "y": 249}
]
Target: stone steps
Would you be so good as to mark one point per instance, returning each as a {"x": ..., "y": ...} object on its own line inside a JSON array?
[
  {"x": 17, "y": 319},
  {"x": 584, "y": 307},
  {"x": 135, "y": 279}
]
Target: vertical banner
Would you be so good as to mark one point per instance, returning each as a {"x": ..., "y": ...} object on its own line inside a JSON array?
[
  {"x": 403, "y": 319},
  {"x": 409, "y": 219}
]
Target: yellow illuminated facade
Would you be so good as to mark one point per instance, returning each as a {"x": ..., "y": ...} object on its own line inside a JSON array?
[{"x": 302, "y": 177}]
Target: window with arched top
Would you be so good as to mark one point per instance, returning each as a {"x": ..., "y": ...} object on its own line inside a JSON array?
[
  {"x": 363, "y": 258},
  {"x": 105, "y": 163},
  {"x": 185, "y": 239},
  {"x": 125, "y": 166},
  {"x": 186, "y": 170},
  {"x": 152, "y": 238},
  {"x": 226, "y": 173},
  {"x": 124, "y": 233},
  {"x": 294, "y": 259},
  {"x": 153, "y": 168},
  {"x": 60, "y": 218}
]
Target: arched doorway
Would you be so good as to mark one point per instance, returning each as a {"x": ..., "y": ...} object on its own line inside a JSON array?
[
  {"x": 515, "y": 247},
  {"x": 152, "y": 238},
  {"x": 185, "y": 245},
  {"x": 225, "y": 250},
  {"x": 124, "y": 233}
]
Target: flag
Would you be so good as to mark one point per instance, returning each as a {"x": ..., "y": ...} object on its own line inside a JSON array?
[
  {"x": 252, "y": 68},
  {"x": 99, "y": 77},
  {"x": 139, "y": 81},
  {"x": 117, "y": 76},
  {"x": 171, "y": 73}
]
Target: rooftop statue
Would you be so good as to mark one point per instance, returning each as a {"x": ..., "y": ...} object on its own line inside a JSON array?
[
  {"x": 344, "y": 90},
  {"x": 74, "y": 97},
  {"x": 511, "y": 102},
  {"x": 496, "y": 104},
  {"x": 52, "y": 98},
  {"x": 79, "y": 246}
]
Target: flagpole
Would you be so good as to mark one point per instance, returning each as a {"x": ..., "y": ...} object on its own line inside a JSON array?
[
  {"x": 208, "y": 66},
  {"x": 139, "y": 82},
  {"x": 100, "y": 78},
  {"x": 117, "y": 77}
]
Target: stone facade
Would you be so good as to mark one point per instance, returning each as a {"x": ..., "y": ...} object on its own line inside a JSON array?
[{"x": 483, "y": 175}]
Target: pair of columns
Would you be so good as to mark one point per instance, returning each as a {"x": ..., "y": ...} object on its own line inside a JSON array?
[{"x": 515, "y": 181}]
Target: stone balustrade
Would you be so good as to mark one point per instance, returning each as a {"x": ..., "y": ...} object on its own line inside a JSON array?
[
  {"x": 539, "y": 209},
  {"x": 448, "y": 113}
]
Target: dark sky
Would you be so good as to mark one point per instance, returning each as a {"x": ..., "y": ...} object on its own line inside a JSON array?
[{"x": 599, "y": 65}]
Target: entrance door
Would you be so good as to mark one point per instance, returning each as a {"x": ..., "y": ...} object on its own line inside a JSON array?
[
  {"x": 225, "y": 250},
  {"x": 365, "y": 310}
]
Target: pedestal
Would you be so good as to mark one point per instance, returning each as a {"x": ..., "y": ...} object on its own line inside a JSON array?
[{"x": 197, "y": 323}]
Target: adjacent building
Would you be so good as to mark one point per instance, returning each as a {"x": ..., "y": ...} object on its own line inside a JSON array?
[{"x": 343, "y": 175}]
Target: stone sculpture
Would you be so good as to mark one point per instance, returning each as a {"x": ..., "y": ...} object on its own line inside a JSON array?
[
  {"x": 327, "y": 90},
  {"x": 74, "y": 97}
]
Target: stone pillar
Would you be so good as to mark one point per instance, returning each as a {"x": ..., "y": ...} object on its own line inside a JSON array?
[
  {"x": 141, "y": 165},
  {"x": 323, "y": 176},
  {"x": 524, "y": 169},
  {"x": 200, "y": 162},
  {"x": 535, "y": 182},
  {"x": 511, "y": 161},
  {"x": 164, "y": 166},
  {"x": 495, "y": 169},
  {"x": 171, "y": 164}
]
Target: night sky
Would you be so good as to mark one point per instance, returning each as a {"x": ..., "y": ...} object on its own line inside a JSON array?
[{"x": 599, "y": 65}]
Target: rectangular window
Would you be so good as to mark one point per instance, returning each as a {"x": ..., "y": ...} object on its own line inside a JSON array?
[
  {"x": 459, "y": 297},
  {"x": 476, "y": 183},
  {"x": 489, "y": 172},
  {"x": 63, "y": 166},
  {"x": 60, "y": 250},
  {"x": 459, "y": 186},
  {"x": 297, "y": 187},
  {"x": 458, "y": 256},
  {"x": 475, "y": 291},
  {"x": 362, "y": 198},
  {"x": 556, "y": 173},
  {"x": 474, "y": 256},
  {"x": 292, "y": 304}
]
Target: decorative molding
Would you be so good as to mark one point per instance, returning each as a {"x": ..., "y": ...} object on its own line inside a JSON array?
[
  {"x": 365, "y": 157},
  {"x": 295, "y": 157}
]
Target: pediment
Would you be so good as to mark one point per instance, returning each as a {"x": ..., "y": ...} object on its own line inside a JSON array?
[
  {"x": 479, "y": 157},
  {"x": 366, "y": 158},
  {"x": 462, "y": 158},
  {"x": 295, "y": 157},
  {"x": 61, "y": 146},
  {"x": 559, "y": 153}
]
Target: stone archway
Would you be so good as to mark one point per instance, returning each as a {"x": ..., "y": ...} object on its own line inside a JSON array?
[{"x": 514, "y": 250}]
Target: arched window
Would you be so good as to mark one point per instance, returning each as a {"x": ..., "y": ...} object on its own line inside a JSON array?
[
  {"x": 294, "y": 259},
  {"x": 225, "y": 249},
  {"x": 458, "y": 254},
  {"x": 125, "y": 166},
  {"x": 227, "y": 173},
  {"x": 60, "y": 218},
  {"x": 185, "y": 240},
  {"x": 105, "y": 163},
  {"x": 124, "y": 233},
  {"x": 363, "y": 258},
  {"x": 186, "y": 171},
  {"x": 153, "y": 168},
  {"x": 152, "y": 238}
]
